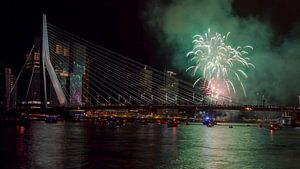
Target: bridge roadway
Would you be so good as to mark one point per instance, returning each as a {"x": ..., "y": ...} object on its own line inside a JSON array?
[
  {"x": 192, "y": 107},
  {"x": 199, "y": 107}
]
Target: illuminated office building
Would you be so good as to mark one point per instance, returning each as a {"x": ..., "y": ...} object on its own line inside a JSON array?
[
  {"x": 31, "y": 93},
  {"x": 2, "y": 90},
  {"x": 60, "y": 63},
  {"x": 78, "y": 77},
  {"x": 70, "y": 62},
  {"x": 146, "y": 85},
  {"x": 10, "y": 89}
]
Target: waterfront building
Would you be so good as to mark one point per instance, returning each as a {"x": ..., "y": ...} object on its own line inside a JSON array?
[
  {"x": 10, "y": 89},
  {"x": 60, "y": 59},
  {"x": 146, "y": 86},
  {"x": 86, "y": 82},
  {"x": 70, "y": 63},
  {"x": 79, "y": 78},
  {"x": 169, "y": 90},
  {"x": 2, "y": 90},
  {"x": 30, "y": 92},
  {"x": 171, "y": 87}
]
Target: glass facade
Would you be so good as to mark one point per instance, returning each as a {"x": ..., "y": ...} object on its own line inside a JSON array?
[
  {"x": 70, "y": 62},
  {"x": 61, "y": 63},
  {"x": 77, "y": 77},
  {"x": 146, "y": 85},
  {"x": 30, "y": 92}
]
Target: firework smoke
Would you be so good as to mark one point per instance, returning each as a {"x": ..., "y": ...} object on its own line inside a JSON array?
[
  {"x": 220, "y": 64},
  {"x": 276, "y": 76}
]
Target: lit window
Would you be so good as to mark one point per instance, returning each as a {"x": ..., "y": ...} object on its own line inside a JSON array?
[
  {"x": 36, "y": 56},
  {"x": 58, "y": 49},
  {"x": 66, "y": 52}
]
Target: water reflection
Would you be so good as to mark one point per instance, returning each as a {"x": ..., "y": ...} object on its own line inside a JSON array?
[
  {"x": 48, "y": 144},
  {"x": 20, "y": 147},
  {"x": 80, "y": 145}
]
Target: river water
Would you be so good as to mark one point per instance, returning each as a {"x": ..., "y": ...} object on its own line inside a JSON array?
[{"x": 67, "y": 145}]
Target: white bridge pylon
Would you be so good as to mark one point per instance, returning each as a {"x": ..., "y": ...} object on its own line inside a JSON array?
[{"x": 46, "y": 62}]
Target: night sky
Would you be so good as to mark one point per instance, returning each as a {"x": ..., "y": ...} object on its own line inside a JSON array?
[
  {"x": 114, "y": 24},
  {"x": 138, "y": 28}
]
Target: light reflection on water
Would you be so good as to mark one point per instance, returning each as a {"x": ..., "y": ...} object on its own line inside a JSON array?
[{"x": 80, "y": 145}]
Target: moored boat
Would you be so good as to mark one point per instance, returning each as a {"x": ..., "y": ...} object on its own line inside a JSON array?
[
  {"x": 274, "y": 126},
  {"x": 51, "y": 119},
  {"x": 209, "y": 122},
  {"x": 172, "y": 123}
]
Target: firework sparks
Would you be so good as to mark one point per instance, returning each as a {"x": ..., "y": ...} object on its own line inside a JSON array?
[{"x": 221, "y": 64}]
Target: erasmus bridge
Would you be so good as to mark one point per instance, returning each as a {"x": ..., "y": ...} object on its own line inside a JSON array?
[{"x": 76, "y": 73}]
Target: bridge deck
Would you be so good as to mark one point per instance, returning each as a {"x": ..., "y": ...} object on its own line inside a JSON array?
[{"x": 199, "y": 107}]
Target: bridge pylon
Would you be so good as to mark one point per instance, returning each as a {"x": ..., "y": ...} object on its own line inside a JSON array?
[{"x": 45, "y": 63}]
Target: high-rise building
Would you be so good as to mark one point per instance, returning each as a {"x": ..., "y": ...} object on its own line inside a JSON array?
[
  {"x": 60, "y": 59},
  {"x": 61, "y": 63},
  {"x": 169, "y": 90},
  {"x": 71, "y": 65},
  {"x": 146, "y": 85},
  {"x": 10, "y": 89},
  {"x": 30, "y": 92},
  {"x": 86, "y": 82},
  {"x": 33, "y": 58},
  {"x": 33, "y": 72},
  {"x": 2, "y": 90},
  {"x": 79, "y": 76}
]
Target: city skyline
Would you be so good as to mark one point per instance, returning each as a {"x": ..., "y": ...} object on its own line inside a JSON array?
[
  {"x": 127, "y": 28},
  {"x": 138, "y": 84}
]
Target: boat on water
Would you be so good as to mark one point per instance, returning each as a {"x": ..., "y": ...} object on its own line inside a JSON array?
[
  {"x": 77, "y": 115},
  {"x": 274, "y": 126},
  {"x": 172, "y": 123},
  {"x": 51, "y": 119},
  {"x": 209, "y": 122},
  {"x": 286, "y": 121},
  {"x": 144, "y": 122},
  {"x": 186, "y": 122},
  {"x": 210, "y": 125},
  {"x": 23, "y": 120}
]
